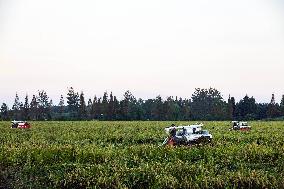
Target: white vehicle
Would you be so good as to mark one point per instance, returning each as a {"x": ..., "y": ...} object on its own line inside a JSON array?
[
  {"x": 240, "y": 125},
  {"x": 20, "y": 124},
  {"x": 186, "y": 135}
]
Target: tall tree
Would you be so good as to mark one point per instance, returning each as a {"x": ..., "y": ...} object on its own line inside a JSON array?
[
  {"x": 44, "y": 105},
  {"x": 82, "y": 107},
  {"x": 26, "y": 109},
  {"x": 34, "y": 106},
  {"x": 127, "y": 105},
  {"x": 282, "y": 106},
  {"x": 272, "y": 111},
  {"x": 169, "y": 108},
  {"x": 61, "y": 106},
  {"x": 16, "y": 108},
  {"x": 115, "y": 108},
  {"x": 73, "y": 103},
  {"x": 94, "y": 110},
  {"x": 4, "y": 112},
  {"x": 89, "y": 109},
  {"x": 231, "y": 108},
  {"x": 246, "y": 108},
  {"x": 158, "y": 110},
  {"x": 111, "y": 110},
  {"x": 208, "y": 104},
  {"x": 104, "y": 106}
]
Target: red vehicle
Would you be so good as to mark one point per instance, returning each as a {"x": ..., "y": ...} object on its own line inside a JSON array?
[{"x": 20, "y": 124}]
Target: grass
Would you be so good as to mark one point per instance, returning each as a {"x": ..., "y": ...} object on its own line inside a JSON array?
[{"x": 96, "y": 154}]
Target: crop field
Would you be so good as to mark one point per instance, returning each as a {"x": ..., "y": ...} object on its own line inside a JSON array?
[{"x": 96, "y": 154}]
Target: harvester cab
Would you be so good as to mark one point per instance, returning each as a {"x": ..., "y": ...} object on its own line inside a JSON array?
[
  {"x": 240, "y": 125},
  {"x": 20, "y": 124},
  {"x": 187, "y": 135}
]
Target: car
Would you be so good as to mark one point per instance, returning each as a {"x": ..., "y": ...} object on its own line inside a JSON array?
[
  {"x": 240, "y": 125},
  {"x": 20, "y": 124},
  {"x": 187, "y": 135}
]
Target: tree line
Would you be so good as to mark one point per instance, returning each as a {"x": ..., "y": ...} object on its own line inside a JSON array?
[{"x": 204, "y": 104}]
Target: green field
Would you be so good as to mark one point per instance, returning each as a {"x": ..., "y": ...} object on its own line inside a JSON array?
[{"x": 128, "y": 155}]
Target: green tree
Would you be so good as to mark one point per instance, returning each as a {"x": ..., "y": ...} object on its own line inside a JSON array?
[
  {"x": 89, "y": 109},
  {"x": 208, "y": 104},
  {"x": 104, "y": 107},
  {"x": 4, "y": 112},
  {"x": 185, "y": 110},
  {"x": 282, "y": 106},
  {"x": 247, "y": 108},
  {"x": 273, "y": 111},
  {"x": 44, "y": 105},
  {"x": 127, "y": 106},
  {"x": 169, "y": 108},
  {"x": 17, "y": 108},
  {"x": 34, "y": 106},
  {"x": 26, "y": 109},
  {"x": 111, "y": 106},
  {"x": 61, "y": 107},
  {"x": 82, "y": 107},
  {"x": 158, "y": 108},
  {"x": 231, "y": 108},
  {"x": 73, "y": 103}
]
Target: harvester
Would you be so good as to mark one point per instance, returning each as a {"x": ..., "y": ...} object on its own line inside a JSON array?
[
  {"x": 187, "y": 135},
  {"x": 20, "y": 124},
  {"x": 240, "y": 125}
]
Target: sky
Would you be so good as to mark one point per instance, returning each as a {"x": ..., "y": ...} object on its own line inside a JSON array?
[{"x": 150, "y": 47}]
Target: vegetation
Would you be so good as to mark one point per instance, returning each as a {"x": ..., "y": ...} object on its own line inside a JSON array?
[
  {"x": 102, "y": 154},
  {"x": 204, "y": 104}
]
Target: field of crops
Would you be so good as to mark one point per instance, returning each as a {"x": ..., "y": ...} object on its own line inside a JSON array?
[{"x": 128, "y": 155}]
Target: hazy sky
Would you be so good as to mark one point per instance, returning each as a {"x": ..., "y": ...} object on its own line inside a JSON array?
[{"x": 149, "y": 47}]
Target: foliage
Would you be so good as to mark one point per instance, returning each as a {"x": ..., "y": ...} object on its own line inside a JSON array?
[{"x": 204, "y": 104}]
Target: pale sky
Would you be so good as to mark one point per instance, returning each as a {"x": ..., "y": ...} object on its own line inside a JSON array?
[{"x": 150, "y": 47}]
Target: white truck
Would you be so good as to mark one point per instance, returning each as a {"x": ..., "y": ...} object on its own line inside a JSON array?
[
  {"x": 187, "y": 135},
  {"x": 240, "y": 125}
]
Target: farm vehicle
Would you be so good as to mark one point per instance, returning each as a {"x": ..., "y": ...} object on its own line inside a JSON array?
[
  {"x": 20, "y": 124},
  {"x": 240, "y": 125},
  {"x": 187, "y": 135}
]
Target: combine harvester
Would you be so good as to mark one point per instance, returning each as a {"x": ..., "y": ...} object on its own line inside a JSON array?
[
  {"x": 240, "y": 125},
  {"x": 20, "y": 124},
  {"x": 187, "y": 135}
]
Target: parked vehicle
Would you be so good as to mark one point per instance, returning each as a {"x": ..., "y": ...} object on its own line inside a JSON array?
[
  {"x": 187, "y": 135},
  {"x": 240, "y": 125},
  {"x": 20, "y": 124}
]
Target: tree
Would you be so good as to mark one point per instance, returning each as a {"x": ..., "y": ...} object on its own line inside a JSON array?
[
  {"x": 44, "y": 105},
  {"x": 208, "y": 104},
  {"x": 93, "y": 111},
  {"x": 73, "y": 103},
  {"x": 17, "y": 107},
  {"x": 115, "y": 108},
  {"x": 4, "y": 112},
  {"x": 61, "y": 107},
  {"x": 231, "y": 108},
  {"x": 246, "y": 108},
  {"x": 158, "y": 108},
  {"x": 262, "y": 110},
  {"x": 185, "y": 110},
  {"x": 111, "y": 106},
  {"x": 26, "y": 109},
  {"x": 282, "y": 106},
  {"x": 89, "y": 109},
  {"x": 273, "y": 111},
  {"x": 104, "y": 106},
  {"x": 82, "y": 107},
  {"x": 169, "y": 108},
  {"x": 34, "y": 113},
  {"x": 126, "y": 106}
]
